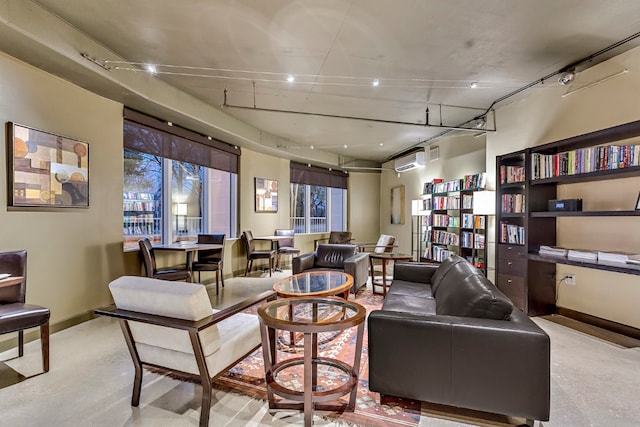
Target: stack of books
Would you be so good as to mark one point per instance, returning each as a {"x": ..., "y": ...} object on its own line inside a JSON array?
[
  {"x": 582, "y": 255},
  {"x": 552, "y": 251}
]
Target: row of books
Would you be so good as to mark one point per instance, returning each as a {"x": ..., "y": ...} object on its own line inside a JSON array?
[
  {"x": 449, "y": 202},
  {"x": 511, "y": 233},
  {"x": 438, "y": 253},
  {"x": 511, "y": 174},
  {"x": 445, "y": 238},
  {"x": 583, "y": 255},
  {"x": 474, "y": 182},
  {"x": 439, "y": 220},
  {"x": 467, "y": 201},
  {"x": 584, "y": 160},
  {"x": 445, "y": 187},
  {"x": 512, "y": 203},
  {"x": 471, "y": 240},
  {"x": 473, "y": 221}
]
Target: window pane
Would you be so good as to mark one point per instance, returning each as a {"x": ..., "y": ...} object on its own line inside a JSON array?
[
  {"x": 318, "y": 208},
  {"x": 222, "y": 198},
  {"x": 338, "y": 198},
  {"x": 298, "y": 204},
  {"x": 186, "y": 200},
  {"x": 142, "y": 198}
]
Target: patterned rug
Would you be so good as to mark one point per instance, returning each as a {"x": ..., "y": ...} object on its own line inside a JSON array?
[{"x": 247, "y": 377}]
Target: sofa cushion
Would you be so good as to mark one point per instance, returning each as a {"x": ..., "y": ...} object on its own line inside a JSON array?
[
  {"x": 444, "y": 269},
  {"x": 416, "y": 289},
  {"x": 472, "y": 296},
  {"x": 333, "y": 256},
  {"x": 409, "y": 304}
]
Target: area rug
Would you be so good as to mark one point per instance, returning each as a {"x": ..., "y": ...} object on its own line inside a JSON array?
[{"x": 247, "y": 378}]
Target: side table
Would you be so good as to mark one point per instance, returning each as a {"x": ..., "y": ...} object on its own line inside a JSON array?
[
  {"x": 310, "y": 316},
  {"x": 384, "y": 257}
]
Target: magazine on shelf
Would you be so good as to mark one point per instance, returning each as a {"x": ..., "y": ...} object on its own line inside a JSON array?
[
  {"x": 582, "y": 255},
  {"x": 618, "y": 257},
  {"x": 552, "y": 251}
]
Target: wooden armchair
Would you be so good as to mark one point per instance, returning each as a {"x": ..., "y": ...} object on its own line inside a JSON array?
[{"x": 171, "y": 328}]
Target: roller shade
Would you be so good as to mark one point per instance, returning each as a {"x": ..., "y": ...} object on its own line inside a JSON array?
[
  {"x": 149, "y": 135},
  {"x": 313, "y": 175}
]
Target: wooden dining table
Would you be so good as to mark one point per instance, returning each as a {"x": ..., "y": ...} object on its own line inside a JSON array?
[
  {"x": 190, "y": 248},
  {"x": 274, "y": 243}
]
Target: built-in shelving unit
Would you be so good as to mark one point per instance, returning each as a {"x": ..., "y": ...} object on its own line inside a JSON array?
[{"x": 522, "y": 273}]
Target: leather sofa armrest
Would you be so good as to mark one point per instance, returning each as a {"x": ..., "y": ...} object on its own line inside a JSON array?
[
  {"x": 303, "y": 262},
  {"x": 357, "y": 266},
  {"x": 419, "y": 272}
]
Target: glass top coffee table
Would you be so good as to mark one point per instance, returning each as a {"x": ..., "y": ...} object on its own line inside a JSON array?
[{"x": 315, "y": 283}]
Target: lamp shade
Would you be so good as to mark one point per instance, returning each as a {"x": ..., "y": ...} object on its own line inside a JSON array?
[
  {"x": 181, "y": 209},
  {"x": 484, "y": 202}
]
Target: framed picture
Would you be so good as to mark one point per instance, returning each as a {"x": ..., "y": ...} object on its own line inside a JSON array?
[
  {"x": 45, "y": 169},
  {"x": 638, "y": 203},
  {"x": 397, "y": 205},
  {"x": 266, "y": 195}
]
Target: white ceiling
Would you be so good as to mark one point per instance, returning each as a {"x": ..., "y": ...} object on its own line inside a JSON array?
[{"x": 424, "y": 52}]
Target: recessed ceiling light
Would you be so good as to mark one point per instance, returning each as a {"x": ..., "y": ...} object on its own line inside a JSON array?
[
  {"x": 346, "y": 146},
  {"x": 376, "y": 82},
  {"x": 473, "y": 85},
  {"x": 381, "y": 144},
  {"x": 330, "y": 169},
  {"x": 170, "y": 124},
  {"x": 311, "y": 147},
  {"x": 290, "y": 78},
  {"x": 209, "y": 138},
  {"x": 151, "y": 68},
  {"x": 308, "y": 165}
]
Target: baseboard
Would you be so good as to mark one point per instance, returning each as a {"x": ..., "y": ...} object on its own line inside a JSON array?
[
  {"x": 609, "y": 325},
  {"x": 33, "y": 335}
]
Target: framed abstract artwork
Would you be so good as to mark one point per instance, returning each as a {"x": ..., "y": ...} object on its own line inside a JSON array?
[
  {"x": 266, "y": 195},
  {"x": 45, "y": 169}
]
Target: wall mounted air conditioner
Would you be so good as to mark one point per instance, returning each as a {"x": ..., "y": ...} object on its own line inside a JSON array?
[{"x": 409, "y": 162}]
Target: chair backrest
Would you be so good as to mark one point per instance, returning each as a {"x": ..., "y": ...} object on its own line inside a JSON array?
[
  {"x": 148, "y": 257},
  {"x": 210, "y": 255},
  {"x": 340, "y": 237},
  {"x": 384, "y": 244},
  {"x": 187, "y": 301},
  {"x": 333, "y": 255},
  {"x": 14, "y": 263},
  {"x": 285, "y": 243},
  {"x": 249, "y": 244}
]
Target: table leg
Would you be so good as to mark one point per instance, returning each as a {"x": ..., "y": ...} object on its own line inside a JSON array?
[
  {"x": 308, "y": 379},
  {"x": 190, "y": 264},
  {"x": 384, "y": 277}
]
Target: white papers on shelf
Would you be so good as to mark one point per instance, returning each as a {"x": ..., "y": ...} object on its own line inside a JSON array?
[
  {"x": 582, "y": 255},
  {"x": 618, "y": 257},
  {"x": 552, "y": 251}
]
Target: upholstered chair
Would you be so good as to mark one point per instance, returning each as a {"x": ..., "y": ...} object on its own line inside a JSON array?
[
  {"x": 286, "y": 246},
  {"x": 210, "y": 259},
  {"x": 149, "y": 262},
  {"x": 15, "y": 314},
  {"x": 170, "y": 328},
  {"x": 335, "y": 237}
]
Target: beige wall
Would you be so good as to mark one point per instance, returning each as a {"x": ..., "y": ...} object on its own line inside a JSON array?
[
  {"x": 459, "y": 156},
  {"x": 72, "y": 253},
  {"x": 364, "y": 203},
  {"x": 545, "y": 116}
]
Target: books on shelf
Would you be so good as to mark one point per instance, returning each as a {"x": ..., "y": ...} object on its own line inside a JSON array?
[
  {"x": 511, "y": 174},
  {"x": 428, "y": 186},
  {"x": 552, "y": 251},
  {"x": 513, "y": 203},
  {"x": 511, "y": 233},
  {"x": 474, "y": 182},
  {"x": 584, "y": 160},
  {"x": 445, "y": 187}
]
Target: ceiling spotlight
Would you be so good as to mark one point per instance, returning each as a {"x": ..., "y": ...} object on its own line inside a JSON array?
[
  {"x": 209, "y": 138},
  {"x": 346, "y": 146},
  {"x": 290, "y": 78},
  {"x": 170, "y": 124},
  {"x": 308, "y": 165},
  {"x": 376, "y": 82},
  {"x": 311, "y": 146},
  {"x": 151, "y": 68},
  {"x": 480, "y": 122},
  {"x": 473, "y": 85},
  {"x": 381, "y": 144},
  {"x": 566, "y": 77}
]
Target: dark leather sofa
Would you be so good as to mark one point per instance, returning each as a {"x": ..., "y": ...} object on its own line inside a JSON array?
[
  {"x": 447, "y": 335},
  {"x": 335, "y": 257}
]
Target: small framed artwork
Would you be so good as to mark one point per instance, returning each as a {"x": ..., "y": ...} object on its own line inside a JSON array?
[
  {"x": 638, "y": 203},
  {"x": 45, "y": 169},
  {"x": 266, "y": 191}
]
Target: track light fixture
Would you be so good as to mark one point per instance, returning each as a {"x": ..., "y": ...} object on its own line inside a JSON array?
[{"x": 567, "y": 77}]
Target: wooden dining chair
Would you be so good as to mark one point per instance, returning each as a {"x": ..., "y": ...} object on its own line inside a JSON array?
[
  {"x": 253, "y": 253},
  {"x": 151, "y": 270},
  {"x": 286, "y": 246},
  {"x": 210, "y": 259},
  {"x": 15, "y": 314}
]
